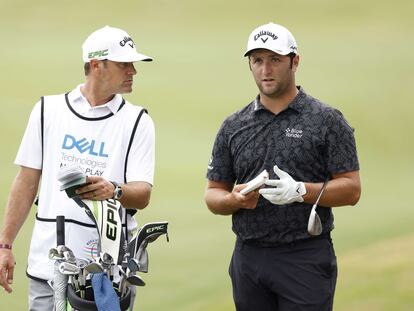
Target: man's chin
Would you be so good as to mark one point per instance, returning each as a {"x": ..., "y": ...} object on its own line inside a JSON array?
[
  {"x": 269, "y": 92},
  {"x": 125, "y": 90}
]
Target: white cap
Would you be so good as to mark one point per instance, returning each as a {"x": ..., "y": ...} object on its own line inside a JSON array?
[
  {"x": 272, "y": 37},
  {"x": 112, "y": 44}
]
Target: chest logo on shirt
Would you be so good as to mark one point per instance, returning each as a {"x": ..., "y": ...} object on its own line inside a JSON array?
[
  {"x": 294, "y": 133},
  {"x": 83, "y": 145}
]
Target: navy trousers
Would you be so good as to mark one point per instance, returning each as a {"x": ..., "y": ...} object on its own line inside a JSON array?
[{"x": 297, "y": 276}]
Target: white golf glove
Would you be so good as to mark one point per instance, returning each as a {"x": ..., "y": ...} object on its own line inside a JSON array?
[{"x": 286, "y": 190}]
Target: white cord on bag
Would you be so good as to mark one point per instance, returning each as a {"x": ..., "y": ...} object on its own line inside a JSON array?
[{"x": 60, "y": 284}]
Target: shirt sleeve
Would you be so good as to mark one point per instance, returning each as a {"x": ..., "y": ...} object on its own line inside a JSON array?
[
  {"x": 341, "y": 147},
  {"x": 141, "y": 160},
  {"x": 220, "y": 167},
  {"x": 30, "y": 150}
]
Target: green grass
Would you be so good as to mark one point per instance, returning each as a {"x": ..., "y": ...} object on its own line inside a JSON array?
[
  {"x": 355, "y": 55},
  {"x": 362, "y": 274}
]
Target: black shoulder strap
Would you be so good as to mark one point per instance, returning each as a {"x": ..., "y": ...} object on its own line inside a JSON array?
[
  {"x": 42, "y": 124},
  {"x": 131, "y": 139}
]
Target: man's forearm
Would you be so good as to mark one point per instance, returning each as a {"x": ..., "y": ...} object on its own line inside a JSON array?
[
  {"x": 135, "y": 195},
  {"x": 21, "y": 197},
  {"x": 343, "y": 189},
  {"x": 225, "y": 199},
  {"x": 219, "y": 201}
]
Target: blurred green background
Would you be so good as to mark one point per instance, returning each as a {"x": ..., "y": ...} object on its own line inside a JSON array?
[{"x": 355, "y": 55}]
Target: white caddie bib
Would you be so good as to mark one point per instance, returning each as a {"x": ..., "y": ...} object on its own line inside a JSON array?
[{"x": 100, "y": 146}]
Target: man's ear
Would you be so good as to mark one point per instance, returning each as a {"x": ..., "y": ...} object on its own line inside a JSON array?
[
  {"x": 94, "y": 64},
  {"x": 295, "y": 63},
  {"x": 250, "y": 66}
]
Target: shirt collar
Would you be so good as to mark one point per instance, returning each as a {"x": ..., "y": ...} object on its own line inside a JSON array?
[
  {"x": 82, "y": 106},
  {"x": 296, "y": 104},
  {"x": 299, "y": 101}
]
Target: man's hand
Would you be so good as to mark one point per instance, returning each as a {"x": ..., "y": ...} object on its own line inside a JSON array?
[
  {"x": 97, "y": 188},
  {"x": 286, "y": 190},
  {"x": 7, "y": 264},
  {"x": 247, "y": 201},
  {"x": 222, "y": 198}
]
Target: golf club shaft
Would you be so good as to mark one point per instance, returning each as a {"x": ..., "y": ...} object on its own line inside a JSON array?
[
  {"x": 60, "y": 280},
  {"x": 321, "y": 191},
  {"x": 60, "y": 230}
]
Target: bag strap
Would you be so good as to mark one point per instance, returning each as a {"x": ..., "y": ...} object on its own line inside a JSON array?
[
  {"x": 131, "y": 211},
  {"x": 42, "y": 124},
  {"x": 131, "y": 140}
]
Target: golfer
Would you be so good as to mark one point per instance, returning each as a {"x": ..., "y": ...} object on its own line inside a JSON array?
[
  {"x": 94, "y": 127},
  {"x": 301, "y": 142}
]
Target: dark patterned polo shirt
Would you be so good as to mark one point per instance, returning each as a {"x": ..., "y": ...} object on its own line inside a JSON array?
[{"x": 309, "y": 140}]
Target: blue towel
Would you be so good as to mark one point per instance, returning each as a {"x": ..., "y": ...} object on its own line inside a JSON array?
[{"x": 106, "y": 298}]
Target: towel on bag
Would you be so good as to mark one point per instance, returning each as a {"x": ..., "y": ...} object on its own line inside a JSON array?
[{"x": 106, "y": 298}]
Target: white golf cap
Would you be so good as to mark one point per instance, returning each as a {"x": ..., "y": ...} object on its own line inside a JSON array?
[
  {"x": 112, "y": 44},
  {"x": 272, "y": 37}
]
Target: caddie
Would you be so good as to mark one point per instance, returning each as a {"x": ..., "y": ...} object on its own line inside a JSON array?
[{"x": 94, "y": 127}]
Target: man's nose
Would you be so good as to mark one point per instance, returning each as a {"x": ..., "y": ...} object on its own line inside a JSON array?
[
  {"x": 267, "y": 67},
  {"x": 131, "y": 69}
]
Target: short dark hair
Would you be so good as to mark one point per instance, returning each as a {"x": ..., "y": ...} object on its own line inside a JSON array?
[
  {"x": 291, "y": 56},
  {"x": 87, "y": 68}
]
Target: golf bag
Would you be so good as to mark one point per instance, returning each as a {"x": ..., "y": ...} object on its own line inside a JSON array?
[
  {"x": 88, "y": 303},
  {"x": 117, "y": 262}
]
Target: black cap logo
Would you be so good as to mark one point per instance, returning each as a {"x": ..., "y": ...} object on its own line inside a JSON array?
[
  {"x": 126, "y": 40},
  {"x": 265, "y": 35}
]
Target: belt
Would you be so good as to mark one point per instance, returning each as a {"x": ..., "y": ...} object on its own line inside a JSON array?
[{"x": 264, "y": 244}]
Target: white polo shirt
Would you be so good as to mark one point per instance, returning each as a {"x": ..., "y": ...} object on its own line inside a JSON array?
[{"x": 98, "y": 140}]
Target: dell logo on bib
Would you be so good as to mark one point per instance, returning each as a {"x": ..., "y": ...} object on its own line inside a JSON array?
[{"x": 83, "y": 145}]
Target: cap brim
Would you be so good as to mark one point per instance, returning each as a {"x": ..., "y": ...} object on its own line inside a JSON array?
[
  {"x": 263, "y": 48},
  {"x": 136, "y": 57},
  {"x": 144, "y": 58}
]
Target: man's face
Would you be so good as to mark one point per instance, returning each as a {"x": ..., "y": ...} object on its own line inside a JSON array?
[
  {"x": 117, "y": 77},
  {"x": 273, "y": 73}
]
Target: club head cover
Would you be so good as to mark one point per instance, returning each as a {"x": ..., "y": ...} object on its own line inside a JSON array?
[
  {"x": 143, "y": 261},
  {"x": 107, "y": 219},
  {"x": 71, "y": 178}
]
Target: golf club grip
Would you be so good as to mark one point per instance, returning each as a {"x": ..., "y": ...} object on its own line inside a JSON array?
[{"x": 60, "y": 230}]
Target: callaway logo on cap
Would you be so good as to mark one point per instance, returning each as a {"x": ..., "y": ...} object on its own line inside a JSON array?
[
  {"x": 112, "y": 44},
  {"x": 272, "y": 37}
]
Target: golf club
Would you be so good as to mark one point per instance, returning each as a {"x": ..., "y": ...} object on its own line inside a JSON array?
[
  {"x": 60, "y": 281},
  {"x": 314, "y": 222},
  {"x": 68, "y": 268}
]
